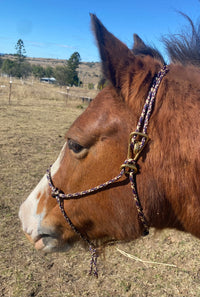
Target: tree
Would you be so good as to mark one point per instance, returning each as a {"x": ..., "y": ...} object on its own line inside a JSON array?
[
  {"x": 38, "y": 71},
  {"x": 24, "y": 69},
  {"x": 49, "y": 71},
  {"x": 8, "y": 67},
  {"x": 20, "y": 48},
  {"x": 61, "y": 75},
  {"x": 13, "y": 68},
  {"x": 1, "y": 62},
  {"x": 74, "y": 61},
  {"x": 72, "y": 65},
  {"x": 68, "y": 75}
]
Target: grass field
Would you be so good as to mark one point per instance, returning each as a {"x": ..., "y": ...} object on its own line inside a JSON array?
[{"x": 32, "y": 130}]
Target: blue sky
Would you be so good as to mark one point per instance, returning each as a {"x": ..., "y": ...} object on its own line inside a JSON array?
[{"x": 57, "y": 28}]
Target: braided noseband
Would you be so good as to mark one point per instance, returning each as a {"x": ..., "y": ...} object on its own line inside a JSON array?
[{"x": 137, "y": 142}]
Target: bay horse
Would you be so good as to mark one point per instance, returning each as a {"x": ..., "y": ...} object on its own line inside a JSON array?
[{"x": 161, "y": 171}]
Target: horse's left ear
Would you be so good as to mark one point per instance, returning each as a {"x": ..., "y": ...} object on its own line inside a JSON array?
[
  {"x": 115, "y": 55},
  {"x": 140, "y": 48},
  {"x": 138, "y": 43}
]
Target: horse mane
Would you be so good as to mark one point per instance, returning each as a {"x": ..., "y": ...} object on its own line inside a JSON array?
[
  {"x": 181, "y": 48},
  {"x": 184, "y": 48}
]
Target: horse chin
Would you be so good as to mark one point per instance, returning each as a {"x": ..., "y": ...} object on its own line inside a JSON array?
[{"x": 49, "y": 244}]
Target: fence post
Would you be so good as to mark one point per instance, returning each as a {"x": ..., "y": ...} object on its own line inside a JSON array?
[
  {"x": 67, "y": 94},
  {"x": 10, "y": 90}
]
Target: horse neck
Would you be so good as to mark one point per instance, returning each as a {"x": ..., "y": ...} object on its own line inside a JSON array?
[{"x": 170, "y": 170}]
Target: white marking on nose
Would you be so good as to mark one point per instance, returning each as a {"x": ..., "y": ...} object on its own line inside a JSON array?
[
  {"x": 28, "y": 210},
  {"x": 31, "y": 220}
]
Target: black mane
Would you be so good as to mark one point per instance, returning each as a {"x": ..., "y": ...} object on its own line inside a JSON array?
[
  {"x": 181, "y": 48},
  {"x": 184, "y": 48}
]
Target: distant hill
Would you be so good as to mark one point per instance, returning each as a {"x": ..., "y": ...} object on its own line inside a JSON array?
[{"x": 89, "y": 72}]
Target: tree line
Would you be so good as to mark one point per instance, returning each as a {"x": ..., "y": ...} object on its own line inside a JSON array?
[
  {"x": 20, "y": 68},
  {"x": 64, "y": 75}
]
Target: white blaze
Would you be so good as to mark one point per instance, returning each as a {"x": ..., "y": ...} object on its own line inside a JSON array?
[{"x": 31, "y": 220}]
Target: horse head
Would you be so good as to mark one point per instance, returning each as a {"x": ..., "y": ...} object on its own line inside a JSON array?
[{"x": 96, "y": 146}]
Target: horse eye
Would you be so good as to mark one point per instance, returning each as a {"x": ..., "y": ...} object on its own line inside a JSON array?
[{"x": 74, "y": 146}]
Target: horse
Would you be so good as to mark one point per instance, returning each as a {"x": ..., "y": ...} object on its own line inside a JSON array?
[{"x": 113, "y": 180}]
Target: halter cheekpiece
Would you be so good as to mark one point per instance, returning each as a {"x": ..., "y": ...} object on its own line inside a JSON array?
[{"x": 137, "y": 142}]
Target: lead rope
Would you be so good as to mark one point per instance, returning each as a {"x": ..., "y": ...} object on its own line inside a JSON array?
[
  {"x": 92, "y": 249},
  {"x": 137, "y": 142},
  {"x": 60, "y": 197}
]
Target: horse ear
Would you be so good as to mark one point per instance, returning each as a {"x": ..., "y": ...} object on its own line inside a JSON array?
[
  {"x": 115, "y": 55},
  {"x": 140, "y": 48},
  {"x": 138, "y": 43}
]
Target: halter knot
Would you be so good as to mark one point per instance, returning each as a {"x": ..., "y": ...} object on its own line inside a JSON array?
[
  {"x": 129, "y": 165},
  {"x": 56, "y": 193}
]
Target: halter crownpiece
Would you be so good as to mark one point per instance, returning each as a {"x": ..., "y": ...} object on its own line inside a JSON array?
[{"x": 137, "y": 142}]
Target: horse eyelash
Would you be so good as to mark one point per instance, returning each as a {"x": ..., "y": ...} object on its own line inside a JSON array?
[{"x": 74, "y": 146}]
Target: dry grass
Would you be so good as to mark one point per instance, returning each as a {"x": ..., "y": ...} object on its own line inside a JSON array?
[
  {"x": 24, "y": 91},
  {"x": 32, "y": 134}
]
